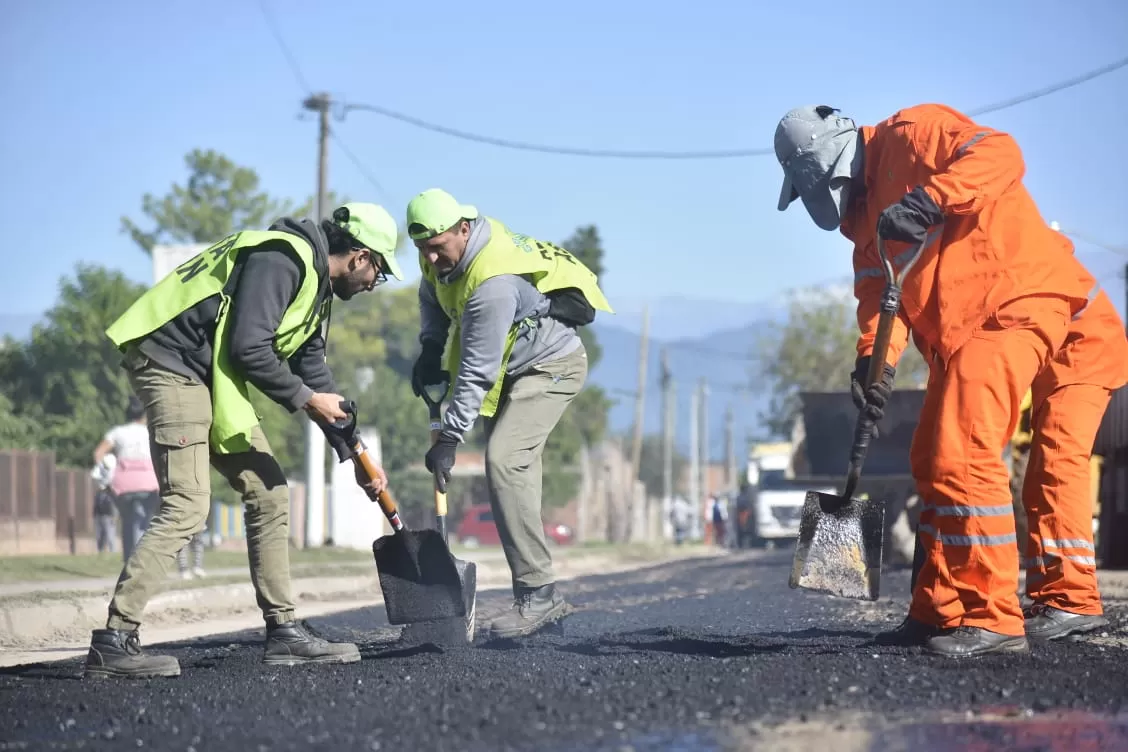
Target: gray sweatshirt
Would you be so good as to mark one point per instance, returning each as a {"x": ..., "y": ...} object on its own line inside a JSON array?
[{"x": 492, "y": 309}]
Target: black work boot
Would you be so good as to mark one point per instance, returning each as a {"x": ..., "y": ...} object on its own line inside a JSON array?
[
  {"x": 967, "y": 642},
  {"x": 909, "y": 633},
  {"x": 1049, "y": 623},
  {"x": 292, "y": 643},
  {"x": 117, "y": 653},
  {"x": 533, "y": 609}
]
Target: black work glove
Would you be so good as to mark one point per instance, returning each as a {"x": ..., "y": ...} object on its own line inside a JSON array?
[
  {"x": 908, "y": 220},
  {"x": 339, "y": 434},
  {"x": 440, "y": 459},
  {"x": 428, "y": 368},
  {"x": 871, "y": 400}
]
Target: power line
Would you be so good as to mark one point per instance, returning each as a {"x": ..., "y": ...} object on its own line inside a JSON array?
[
  {"x": 1052, "y": 89},
  {"x": 299, "y": 76},
  {"x": 360, "y": 166},
  {"x": 547, "y": 149},
  {"x": 290, "y": 59},
  {"x": 715, "y": 154}
]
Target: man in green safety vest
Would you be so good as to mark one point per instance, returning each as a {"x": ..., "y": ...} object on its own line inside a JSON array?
[
  {"x": 247, "y": 311},
  {"x": 511, "y": 305}
]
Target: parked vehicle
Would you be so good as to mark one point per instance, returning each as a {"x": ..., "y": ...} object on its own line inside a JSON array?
[{"x": 477, "y": 528}]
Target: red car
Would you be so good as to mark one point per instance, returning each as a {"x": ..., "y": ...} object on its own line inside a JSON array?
[{"x": 477, "y": 528}]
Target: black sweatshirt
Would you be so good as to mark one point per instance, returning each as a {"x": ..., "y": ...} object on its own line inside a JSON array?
[{"x": 262, "y": 285}]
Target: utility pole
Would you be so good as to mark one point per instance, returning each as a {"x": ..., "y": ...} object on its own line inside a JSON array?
[
  {"x": 314, "y": 439},
  {"x": 730, "y": 451},
  {"x": 703, "y": 465},
  {"x": 668, "y": 408},
  {"x": 694, "y": 459},
  {"x": 640, "y": 396}
]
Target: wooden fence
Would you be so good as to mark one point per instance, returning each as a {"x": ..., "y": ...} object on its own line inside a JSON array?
[{"x": 44, "y": 508}]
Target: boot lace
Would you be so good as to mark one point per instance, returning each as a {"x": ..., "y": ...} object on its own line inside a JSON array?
[
  {"x": 522, "y": 602},
  {"x": 132, "y": 643}
]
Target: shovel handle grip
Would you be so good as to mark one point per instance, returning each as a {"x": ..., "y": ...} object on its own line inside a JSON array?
[{"x": 387, "y": 504}]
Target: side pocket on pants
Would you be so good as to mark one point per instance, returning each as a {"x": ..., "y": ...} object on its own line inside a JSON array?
[{"x": 181, "y": 457}]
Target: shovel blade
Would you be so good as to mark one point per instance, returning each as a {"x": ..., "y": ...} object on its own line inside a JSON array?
[
  {"x": 839, "y": 546},
  {"x": 420, "y": 578},
  {"x": 457, "y": 631}
]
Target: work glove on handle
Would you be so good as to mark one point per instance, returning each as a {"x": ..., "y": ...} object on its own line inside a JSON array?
[
  {"x": 440, "y": 458},
  {"x": 428, "y": 368},
  {"x": 908, "y": 220},
  {"x": 871, "y": 400}
]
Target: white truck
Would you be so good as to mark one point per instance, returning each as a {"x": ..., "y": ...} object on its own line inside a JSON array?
[{"x": 771, "y": 503}]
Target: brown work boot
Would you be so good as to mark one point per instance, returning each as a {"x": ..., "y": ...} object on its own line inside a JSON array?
[
  {"x": 969, "y": 642},
  {"x": 533, "y": 609},
  {"x": 1049, "y": 623},
  {"x": 909, "y": 633},
  {"x": 292, "y": 643},
  {"x": 116, "y": 653}
]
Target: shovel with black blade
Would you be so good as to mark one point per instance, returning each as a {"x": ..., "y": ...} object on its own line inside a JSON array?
[
  {"x": 419, "y": 578},
  {"x": 840, "y": 537},
  {"x": 455, "y": 629}
]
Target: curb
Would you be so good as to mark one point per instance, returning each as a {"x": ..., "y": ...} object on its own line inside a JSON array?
[{"x": 25, "y": 623}]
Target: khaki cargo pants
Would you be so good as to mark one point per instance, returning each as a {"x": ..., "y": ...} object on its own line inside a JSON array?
[
  {"x": 179, "y": 418},
  {"x": 530, "y": 407}
]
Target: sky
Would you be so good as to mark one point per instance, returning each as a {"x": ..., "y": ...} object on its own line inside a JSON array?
[{"x": 103, "y": 100}]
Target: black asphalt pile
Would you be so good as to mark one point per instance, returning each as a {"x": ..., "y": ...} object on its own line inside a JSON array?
[{"x": 675, "y": 657}]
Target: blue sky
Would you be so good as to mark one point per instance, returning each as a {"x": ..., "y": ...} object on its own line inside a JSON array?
[{"x": 104, "y": 100}]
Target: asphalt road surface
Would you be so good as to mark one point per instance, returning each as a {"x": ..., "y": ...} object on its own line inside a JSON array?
[{"x": 706, "y": 654}]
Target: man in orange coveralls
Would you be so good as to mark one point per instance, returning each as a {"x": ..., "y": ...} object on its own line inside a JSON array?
[{"x": 998, "y": 305}]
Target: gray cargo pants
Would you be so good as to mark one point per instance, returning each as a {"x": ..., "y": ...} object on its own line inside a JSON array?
[{"x": 530, "y": 407}]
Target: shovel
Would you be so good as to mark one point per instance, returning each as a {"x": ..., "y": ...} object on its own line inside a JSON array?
[
  {"x": 457, "y": 629},
  {"x": 418, "y": 576},
  {"x": 840, "y": 537}
]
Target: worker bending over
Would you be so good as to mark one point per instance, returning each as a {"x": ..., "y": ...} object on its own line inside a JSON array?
[
  {"x": 997, "y": 304},
  {"x": 511, "y": 305},
  {"x": 247, "y": 311}
]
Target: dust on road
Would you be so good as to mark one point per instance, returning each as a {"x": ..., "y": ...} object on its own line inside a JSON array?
[{"x": 700, "y": 655}]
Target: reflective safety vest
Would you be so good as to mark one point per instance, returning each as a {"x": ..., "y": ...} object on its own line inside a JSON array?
[
  {"x": 201, "y": 277},
  {"x": 547, "y": 266}
]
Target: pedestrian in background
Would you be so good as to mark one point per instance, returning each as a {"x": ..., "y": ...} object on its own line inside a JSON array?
[
  {"x": 133, "y": 483},
  {"x": 190, "y": 559},
  {"x": 105, "y": 529}
]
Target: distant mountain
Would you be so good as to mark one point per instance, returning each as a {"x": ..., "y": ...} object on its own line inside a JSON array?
[
  {"x": 682, "y": 317},
  {"x": 723, "y": 358}
]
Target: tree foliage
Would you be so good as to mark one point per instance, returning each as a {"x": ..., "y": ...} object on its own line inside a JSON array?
[
  {"x": 65, "y": 384},
  {"x": 815, "y": 350}
]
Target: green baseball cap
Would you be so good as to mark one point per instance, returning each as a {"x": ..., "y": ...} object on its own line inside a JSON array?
[
  {"x": 373, "y": 227},
  {"x": 433, "y": 212}
]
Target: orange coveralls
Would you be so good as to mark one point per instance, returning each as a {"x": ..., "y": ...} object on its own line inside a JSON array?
[{"x": 989, "y": 302}]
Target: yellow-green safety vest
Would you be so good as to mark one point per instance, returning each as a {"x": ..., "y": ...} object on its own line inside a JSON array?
[
  {"x": 199, "y": 278},
  {"x": 548, "y": 266}
]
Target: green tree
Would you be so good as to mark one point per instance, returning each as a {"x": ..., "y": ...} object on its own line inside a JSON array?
[
  {"x": 218, "y": 198},
  {"x": 815, "y": 350},
  {"x": 66, "y": 381},
  {"x": 650, "y": 465}
]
